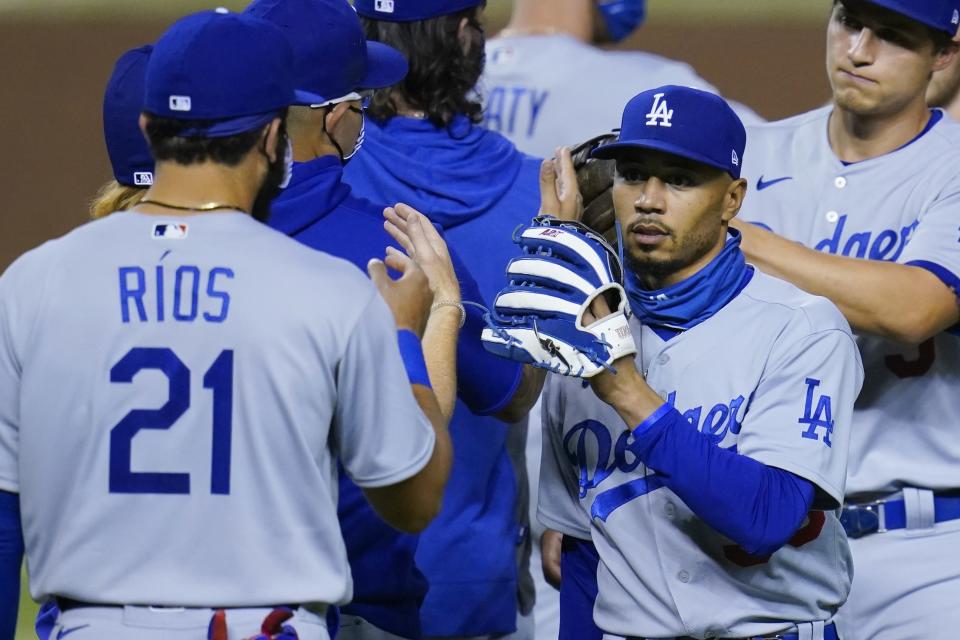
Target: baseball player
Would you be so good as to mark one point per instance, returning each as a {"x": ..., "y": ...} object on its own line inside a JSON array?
[
  {"x": 129, "y": 155},
  {"x": 11, "y": 558},
  {"x": 864, "y": 196},
  {"x": 423, "y": 146},
  {"x": 528, "y": 95},
  {"x": 529, "y": 98},
  {"x": 183, "y": 374},
  {"x": 708, "y": 468},
  {"x": 320, "y": 210},
  {"x": 133, "y": 169},
  {"x": 943, "y": 91}
]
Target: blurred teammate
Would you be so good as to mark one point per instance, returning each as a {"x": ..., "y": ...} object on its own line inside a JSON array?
[
  {"x": 320, "y": 210},
  {"x": 865, "y": 197},
  {"x": 133, "y": 169},
  {"x": 423, "y": 146},
  {"x": 128, "y": 151},
  {"x": 944, "y": 89},
  {"x": 708, "y": 471},
  {"x": 528, "y": 88},
  {"x": 188, "y": 281}
]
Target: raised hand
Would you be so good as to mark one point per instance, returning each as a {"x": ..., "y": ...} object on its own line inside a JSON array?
[
  {"x": 559, "y": 192},
  {"x": 418, "y": 237},
  {"x": 408, "y": 297}
]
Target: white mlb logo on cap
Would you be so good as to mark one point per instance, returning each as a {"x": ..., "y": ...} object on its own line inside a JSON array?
[
  {"x": 384, "y": 6},
  {"x": 179, "y": 103},
  {"x": 142, "y": 178}
]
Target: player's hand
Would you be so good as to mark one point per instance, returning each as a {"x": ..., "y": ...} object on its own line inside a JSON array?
[
  {"x": 550, "y": 543},
  {"x": 622, "y": 389},
  {"x": 559, "y": 192},
  {"x": 409, "y": 297},
  {"x": 422, "y": 242}
]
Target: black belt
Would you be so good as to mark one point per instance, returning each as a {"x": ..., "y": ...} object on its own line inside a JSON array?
[{"x": 66, "y": 604}]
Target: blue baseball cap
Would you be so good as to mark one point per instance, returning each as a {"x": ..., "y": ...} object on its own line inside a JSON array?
[
  {"x": 942, "y": 15},
  {"x": 122, "y": 103},
  {"x": 411, "y": 10},
  {"x": 685, "y": 122},
  {"x": 331, "y": 56},
  {"x": 234, "y": 71}
]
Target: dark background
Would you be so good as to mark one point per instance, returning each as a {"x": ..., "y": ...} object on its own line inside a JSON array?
[{"x": 53, "y": 75}]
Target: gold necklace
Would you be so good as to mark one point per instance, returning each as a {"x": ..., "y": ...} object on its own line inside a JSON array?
[
  {"x": 529, "y": 31},
  {"x": 210, "y": 206}
]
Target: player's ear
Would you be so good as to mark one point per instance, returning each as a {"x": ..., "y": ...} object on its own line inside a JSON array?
[
  {"x": 143, "y": 121},
  {"x": 733, "y": 198},
  {"x": 272, "y": 139},
  {"x": 462, "y": 36},
  {"x": 946, "y": 56},
  {"x": 335, "y": 115}
]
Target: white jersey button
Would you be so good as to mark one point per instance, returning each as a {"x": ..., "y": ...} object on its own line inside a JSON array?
[
  {"x": 663, "y": 359},
  {"x": 840, "y": 182},
  {"x": 670, "y": 510},
  {"x": 683, "y": 577},
  {"x": 832, "y": 216}
]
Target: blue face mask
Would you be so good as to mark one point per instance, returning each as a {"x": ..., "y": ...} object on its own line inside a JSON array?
[{"x": 622, "y": 17}]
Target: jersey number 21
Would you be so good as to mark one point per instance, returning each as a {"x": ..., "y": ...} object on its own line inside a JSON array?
[{"x": 218, "y": 378}]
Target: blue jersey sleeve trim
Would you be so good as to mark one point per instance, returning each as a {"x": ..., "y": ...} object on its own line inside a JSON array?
[
  {"x": 757, "y": 506},
  {"x": 11, "y": 556},
  {"x": 653, "y": 418},
  {"x": 945, "y": 276}
]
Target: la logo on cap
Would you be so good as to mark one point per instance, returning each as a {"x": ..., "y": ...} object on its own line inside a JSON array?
[
  {"x": 179, "y": 103},
  {"x": 384, "y": 6},
  {"x": 660, "y": 115}
]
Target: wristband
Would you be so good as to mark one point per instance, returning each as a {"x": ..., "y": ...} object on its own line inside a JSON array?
[{"x": 411, "y": 351}]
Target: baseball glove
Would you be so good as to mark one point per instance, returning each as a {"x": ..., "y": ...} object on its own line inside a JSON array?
[
  {"x": 538, "y": 318},
  {"x": 595, "y": 179}
]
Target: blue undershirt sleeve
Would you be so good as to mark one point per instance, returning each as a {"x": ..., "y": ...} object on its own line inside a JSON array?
[
  {"x": 485, "y": 383},
  {"x": 11, "y": 556},
  {"x": 757, "y": 506}
]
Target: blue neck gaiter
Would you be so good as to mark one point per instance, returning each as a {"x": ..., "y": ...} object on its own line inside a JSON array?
[{"x": 688, "y": 303}]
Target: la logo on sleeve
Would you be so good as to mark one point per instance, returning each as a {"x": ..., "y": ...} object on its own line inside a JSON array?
[{"x": 820, "y": 417}]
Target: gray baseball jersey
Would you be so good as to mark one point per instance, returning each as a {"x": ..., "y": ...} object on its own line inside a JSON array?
[
  {"x": 773, "y": 375},
  {"x": 541, "y": 91},
  {"x": 902, "y": 207},
  {"x": 174, "y": 395}
]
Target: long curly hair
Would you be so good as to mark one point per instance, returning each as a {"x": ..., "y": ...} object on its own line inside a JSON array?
[
  {"x": 442, "y": 77},
  {"x": 114, "y": 196}
]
